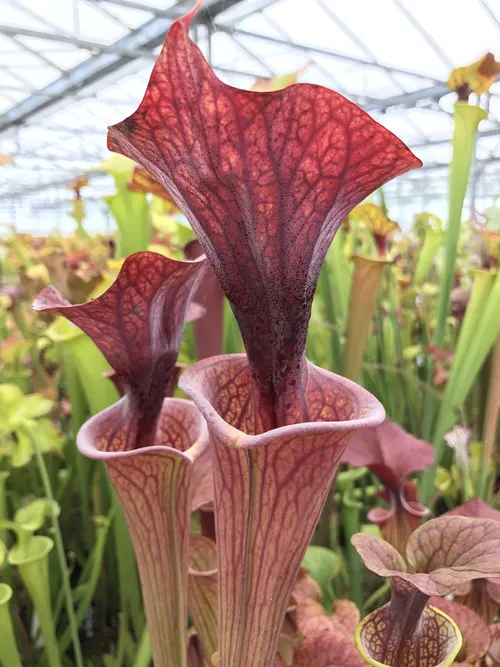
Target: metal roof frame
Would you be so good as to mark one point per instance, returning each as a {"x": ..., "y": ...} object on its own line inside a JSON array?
[
  {"x": 137, "y": 44},
  {"x": 136, "y": 50}
]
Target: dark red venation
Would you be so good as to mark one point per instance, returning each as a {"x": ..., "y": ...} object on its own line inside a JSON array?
[
  {"x": 269, "y": 491},
  {"x": 265, "y": 179},
  {"x": 137, "y": 324},
  {"x": 481, "y": 595},
  {"x": 406, "y": 633},
  {"x": 476, "y": 638}
]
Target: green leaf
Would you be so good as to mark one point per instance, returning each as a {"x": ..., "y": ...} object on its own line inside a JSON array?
[
  {"x": 16, "y": 408},
  {"x": 339, "y": 271},
  {"x": 130, "y": 209},
  {"x": 32, "y": 516},
  {"x": 10, "y": 398},
  {"x": 117, "y": 166},
  {"x": 89, "y": 362},
  {"x": 371, "y": 529},
  {"x": 22, "y": 452},
  {"x": 32, "y": 407},
  {"x": 323, "y": 565},
  {"x": 432, "y": 242},
  {"x": 48, "y": 436}
]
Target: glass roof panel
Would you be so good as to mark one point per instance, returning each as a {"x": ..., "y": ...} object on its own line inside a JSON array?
[
  {"x": 96, "y": 24},
  {"x": 160, "y": 4},
  {"x": 132, "y": 18},
  {"x": 9, "y": 98},
  {"x": 257, "y": 23},
  {"x": 380, "y": 57},
  {"x": 227, "y": 52},
  {"x": 55, "y": 16},
  {"x": 62, "y": 55},
  {"x": 21, "y": 15},
  {"x": 391, "y": 37},
  {"x": 311, "y": 26},
  {"x": 494, "y": 109},
  {"x": 355, "y": 80},
  {"x": 463, "y": 29}
]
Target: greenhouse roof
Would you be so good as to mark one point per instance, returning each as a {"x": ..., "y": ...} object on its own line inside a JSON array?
[{"x": 70, "y": 68}]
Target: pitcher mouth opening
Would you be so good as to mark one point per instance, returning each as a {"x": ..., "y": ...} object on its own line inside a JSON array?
[
  {"x": 221, "y": 389},
  {"x": 180, "y": 427},
  {"x": 446, "y": 653}
]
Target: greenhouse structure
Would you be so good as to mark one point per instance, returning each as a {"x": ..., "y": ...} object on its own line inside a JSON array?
[{"x": 249, "y": 333}]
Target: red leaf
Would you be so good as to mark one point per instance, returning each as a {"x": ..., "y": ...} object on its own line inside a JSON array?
[
  {"x": 475, "y": 633},
  {"x": 481, "y": 595},
  {"x": 468, "y": 547},
  {"x": 327, "y": 649},
  {"x": 378, "y": 555},
  {"x": 406, "y": 633},
  {"x": 345, "y": 616},
  {"x": 158, "y": 487},
  {"x": 475, "y": 508},
  {"x": 208, "y": 330},
  {"x": 265, "y": 179},
  {"x": 203, "y": 593},
  {"x": 194, "y": 655},
  {"x": 269, "y": 491},
  {"x": 305, "y": 588},
  {"x": 442, "y": 555},
  {"x": 494, "y": 653},
  {"x": 390, "y": 452},
  {"x": 311, "y": 617},
  {"x": 156, "y": 450},
  {"x": 328, "y": 640},
  {"x": 137, "y": 324}
]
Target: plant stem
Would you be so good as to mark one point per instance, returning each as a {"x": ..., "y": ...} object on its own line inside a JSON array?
[
  {"x": 478, "y": 335},
  {"x": 18, "y": 317},
  {"x": 464, "y": 478},
  {"x": 323, "y": 530},
  {"x": 3, "y": 504},
  {"x": 127, "y": 572},
  {"x": 31, "y": 557},
  {"x": 365, "y": 289},
  {"x": 143, "y": 655},
  {"x": 490, "y": 422},
  {"x": 325, "y": 288},
  {"x": 350, "y": 520},
  {"x": 60, "y": 554},
  {"x": 83, "y": 466},
  {"x": 399, "y": 353},
  {"x": 466, "y": 120},
  {"x": 9, "y": 654},
  {"x": 90, "y": 586}
]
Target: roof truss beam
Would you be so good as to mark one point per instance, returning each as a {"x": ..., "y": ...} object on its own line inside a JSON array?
[
  {"x": 321, "y": 51},
  {"x": 108, "y": 59},
  {"x": 93, "y": 47}
]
